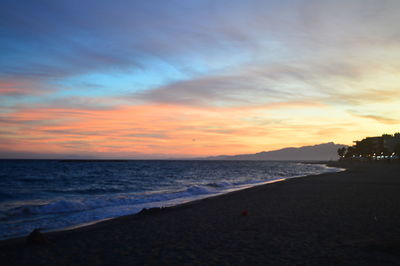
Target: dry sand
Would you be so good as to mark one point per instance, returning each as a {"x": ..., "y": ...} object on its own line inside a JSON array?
[{"x": 352, "y": 218}]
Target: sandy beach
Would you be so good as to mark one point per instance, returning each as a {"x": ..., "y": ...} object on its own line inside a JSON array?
[{"x": 346, "y": 218}]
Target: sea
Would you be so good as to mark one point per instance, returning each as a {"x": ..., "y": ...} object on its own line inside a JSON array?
[{"x": 62, "y": 194}]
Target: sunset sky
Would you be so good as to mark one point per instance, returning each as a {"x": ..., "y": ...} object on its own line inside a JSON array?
[{"x": 160, "y": 79}]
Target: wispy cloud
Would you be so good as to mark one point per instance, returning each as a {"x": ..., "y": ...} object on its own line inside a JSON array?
[
  {"x": 381, "y": 119},
  {"x": 148, "y": 77}
]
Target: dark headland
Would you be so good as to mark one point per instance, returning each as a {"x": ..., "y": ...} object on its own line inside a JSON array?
[{"x": 346, "y": 218}]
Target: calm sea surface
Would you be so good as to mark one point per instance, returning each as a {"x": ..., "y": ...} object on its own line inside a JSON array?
[{"x": 52, "y": 194}]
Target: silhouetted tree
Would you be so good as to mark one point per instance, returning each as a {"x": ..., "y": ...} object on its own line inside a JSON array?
[
  {"x": 350, "y": 152},
  {"x": 342, "y": 151},
  {"x": 365, "y": 147}
]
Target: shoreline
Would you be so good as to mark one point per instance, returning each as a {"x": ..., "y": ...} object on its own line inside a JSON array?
[
  {"x": 198, "y": 198},
  {"x": 332, "y": 218},
  {"x": 188, "y": 202},
  {"x": 179, "y": 201},
  {"x": 193, "y": 200}
]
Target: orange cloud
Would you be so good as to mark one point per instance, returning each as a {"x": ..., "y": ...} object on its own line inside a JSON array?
[{"x": 165, "y": 130}]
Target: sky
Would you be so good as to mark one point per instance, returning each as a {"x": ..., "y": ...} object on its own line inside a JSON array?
[{"x": 165, "y": 79}]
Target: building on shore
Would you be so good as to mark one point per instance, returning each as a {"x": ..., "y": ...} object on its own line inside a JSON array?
[{"x": 374, "y": 148}]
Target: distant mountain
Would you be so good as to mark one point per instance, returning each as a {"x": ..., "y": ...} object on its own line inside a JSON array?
[{"x": 320, "y": 152}]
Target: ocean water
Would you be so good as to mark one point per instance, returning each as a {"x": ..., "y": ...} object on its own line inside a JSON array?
[{"x": 52, "y": 194}]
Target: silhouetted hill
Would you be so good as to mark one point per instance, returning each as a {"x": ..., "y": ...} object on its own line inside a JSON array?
[{"x": 320, "y": 152}]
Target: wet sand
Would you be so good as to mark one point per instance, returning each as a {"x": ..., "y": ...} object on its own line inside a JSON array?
[{"x": 352, "y": 218}]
